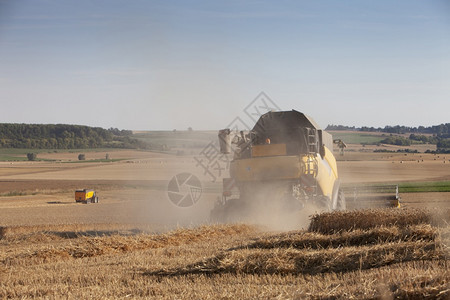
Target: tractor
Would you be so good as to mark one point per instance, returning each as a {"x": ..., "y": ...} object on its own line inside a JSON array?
[{"x": 86, "y": 196}]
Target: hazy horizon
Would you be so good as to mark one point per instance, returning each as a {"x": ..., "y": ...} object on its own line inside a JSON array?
[{"x": 209, "y": 129}]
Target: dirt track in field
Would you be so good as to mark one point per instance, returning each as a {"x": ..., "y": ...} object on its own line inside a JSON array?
[{"x": 135, "y": 189}]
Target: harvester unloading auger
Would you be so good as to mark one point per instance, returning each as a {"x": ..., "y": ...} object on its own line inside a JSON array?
[{"x": 284, "y": 164}]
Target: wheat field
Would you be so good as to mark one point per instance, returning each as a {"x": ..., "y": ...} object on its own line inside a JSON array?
[
  {"x": 393, "y": 254},
  {"x": 126, "y": 247}
]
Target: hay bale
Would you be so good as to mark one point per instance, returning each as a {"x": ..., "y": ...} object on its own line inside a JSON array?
[{"x": 339, "y": 221}]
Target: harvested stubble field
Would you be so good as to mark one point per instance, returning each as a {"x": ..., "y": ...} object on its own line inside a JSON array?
[
  {"x": 52, "y": 247},
  {"x": 405, "y": 257}
]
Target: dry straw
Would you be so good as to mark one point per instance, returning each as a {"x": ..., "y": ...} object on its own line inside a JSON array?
[
  {"x": 293, "y": 261},
  {"x": 358, "y": 237},
  {"x": 399, "y": 252},
  {"x": 88, "y": 246},
  {"x": 336, "y": 242}
]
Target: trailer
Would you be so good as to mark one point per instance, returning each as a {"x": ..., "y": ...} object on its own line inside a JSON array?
[{"x": 86, "y": 196}]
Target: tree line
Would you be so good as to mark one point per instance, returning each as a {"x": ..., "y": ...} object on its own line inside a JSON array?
[
  {"x": 442, "y": 130},
  {"x": 62, "y": 136},
  {"x": 437, "y": 134}
]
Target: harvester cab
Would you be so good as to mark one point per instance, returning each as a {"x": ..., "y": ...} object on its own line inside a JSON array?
[{"x": 286, "y": 161}]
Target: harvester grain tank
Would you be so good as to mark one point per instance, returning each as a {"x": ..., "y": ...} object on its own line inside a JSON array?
[{"x": 284, "y": 162}]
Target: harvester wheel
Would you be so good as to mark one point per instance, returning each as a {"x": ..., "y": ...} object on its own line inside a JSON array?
[
  {"x": 231, "y": 211},
  {"x": 216, "y": 214},
  {"x": 323, "y": 203}
]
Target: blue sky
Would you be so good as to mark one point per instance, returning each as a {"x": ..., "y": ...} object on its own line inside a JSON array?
[{"x": 151, "y": 65}]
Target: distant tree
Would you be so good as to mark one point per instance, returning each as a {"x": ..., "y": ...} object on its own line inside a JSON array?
[
  {"x": 31, "y": 156},
  {"x": 81, "y": 156},
  {"x": 190, "y": 129},
  {"x": 444, "y": 144},
  {"x": 340, "y": 127},
  {"x": 396, "y": 140},
  {"x": 423, "y": 138},
  {"x": 61, "y": 136}
]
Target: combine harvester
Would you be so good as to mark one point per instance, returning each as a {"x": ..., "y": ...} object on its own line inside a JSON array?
[{"x": 284, "y": 164}]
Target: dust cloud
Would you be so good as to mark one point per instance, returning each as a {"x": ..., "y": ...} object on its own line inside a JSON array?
[
  {"x": 147, "y": 201},
  {"x": 276, "y": 217},
  {"x": 265, "y": 204}
]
